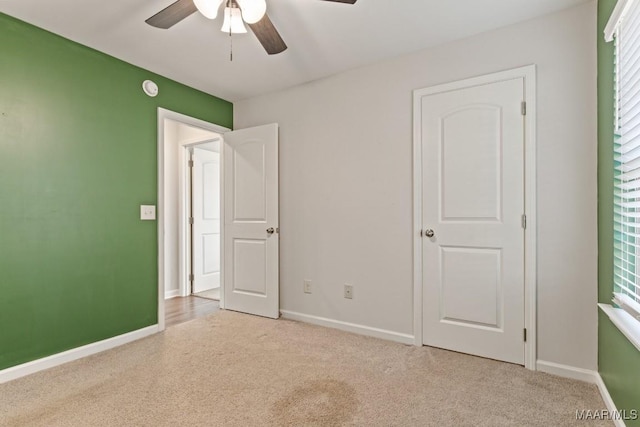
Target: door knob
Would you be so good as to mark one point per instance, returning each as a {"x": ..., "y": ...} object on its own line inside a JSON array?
[
  {"x": 429, "y": 232},
  {"x": 270, "y": 230}
]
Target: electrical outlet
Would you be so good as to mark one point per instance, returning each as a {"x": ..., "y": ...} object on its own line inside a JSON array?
[
  {"x": 307, "y": 286},
  {"x": 348, "y": 291}
]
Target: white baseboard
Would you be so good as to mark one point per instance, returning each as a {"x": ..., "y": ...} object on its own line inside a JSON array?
[
  {"x": 349, "y": 327},
  {"x": 34, "y": 366},
  {"x": 608, "y": 401},
  {"x": 567, "y": 371},
  {"x": 172, "y": 294},
  {"x": 586, "y": 375}
]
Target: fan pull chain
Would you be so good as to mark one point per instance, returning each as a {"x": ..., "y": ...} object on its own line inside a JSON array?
[{"x": 229, "y": 4}]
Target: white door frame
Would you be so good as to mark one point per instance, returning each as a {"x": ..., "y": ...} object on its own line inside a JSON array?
[
  {"x": 184, "y": 237},
  {"x": 530, "y": 285},
  {"x": 164, "y": 114}
]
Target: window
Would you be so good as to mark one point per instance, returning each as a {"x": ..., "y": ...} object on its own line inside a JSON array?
[{"x": 624, "y": 27}]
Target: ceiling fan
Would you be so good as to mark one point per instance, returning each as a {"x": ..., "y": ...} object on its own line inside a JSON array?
[{"x": 236, "y": 13}]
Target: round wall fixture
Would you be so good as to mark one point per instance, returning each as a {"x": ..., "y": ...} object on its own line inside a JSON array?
[{"x": 150, "y": 88}]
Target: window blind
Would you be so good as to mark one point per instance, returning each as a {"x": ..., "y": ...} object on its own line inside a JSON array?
[{"x": 627, "y": 161}]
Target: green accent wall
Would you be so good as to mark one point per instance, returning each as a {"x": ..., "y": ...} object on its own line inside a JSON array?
[
  {"x": 618, "y": 359},
  {"x": 78, "y": 157}
]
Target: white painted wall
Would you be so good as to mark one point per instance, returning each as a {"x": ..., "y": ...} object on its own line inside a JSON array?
[
  {"x": 175, "y": 134},
  {"x": 346, "y": 179}
]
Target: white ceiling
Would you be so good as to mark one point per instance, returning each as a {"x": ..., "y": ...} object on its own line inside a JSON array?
[{"x": 324, "y": 38}]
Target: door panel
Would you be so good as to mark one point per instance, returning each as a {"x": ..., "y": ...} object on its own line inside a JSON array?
[
  {"x": 469, "y": 294},
  {"x": 206, "y": 220},
  {"x": 211, "y": 245},
  {"x": 471, "y": 174},
  {"x": 251, "y": 281},
  {"x": 473, "y": 199},
  {"x": 250, "y": 266},
  {"x": 211, "y": 180},
  {"x": 250, "y": 181}
]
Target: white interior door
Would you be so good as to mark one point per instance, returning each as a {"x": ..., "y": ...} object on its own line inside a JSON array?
[
  {"x": 251, "y": 247},
  {"x": 473, "y": 202},
  {"x": 206, "y": 218}
]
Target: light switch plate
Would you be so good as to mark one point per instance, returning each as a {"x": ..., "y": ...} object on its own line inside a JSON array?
[{"x": 147, "y": 212}]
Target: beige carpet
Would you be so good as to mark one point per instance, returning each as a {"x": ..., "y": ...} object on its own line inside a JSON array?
[{"x": 231, "y": 369}]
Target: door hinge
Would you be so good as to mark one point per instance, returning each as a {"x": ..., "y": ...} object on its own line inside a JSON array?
[
  {"x": 523, "y": 108},
  {"x": 190, "y": 163},
  {"x": 191, "y": 278},
  {"x": 525, "y": 335},
  {"x": 524, "y": 221},
  {"x": 191, "y": 221}
]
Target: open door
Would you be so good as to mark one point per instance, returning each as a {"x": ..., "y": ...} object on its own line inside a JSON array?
[
  {"x": 206, "y": 217},
  {"x": 251, "y": 239}
]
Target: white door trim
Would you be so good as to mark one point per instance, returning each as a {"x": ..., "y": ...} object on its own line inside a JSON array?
[
  {"x": 529, "y": 75},
  {"x": 164, "y": 114}
]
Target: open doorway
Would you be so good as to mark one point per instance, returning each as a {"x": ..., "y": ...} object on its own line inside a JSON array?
[
  {"x": 189, "y": 218},
  {"x": 203, "y": 199},
  {"x": 248, "y": 236}
]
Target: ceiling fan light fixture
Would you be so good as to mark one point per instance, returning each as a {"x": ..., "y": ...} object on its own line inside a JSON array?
[
  {"x": 233, "y": 21},
  {"x": 209, "y": 8},
  {"x": 252, "y": 10}
]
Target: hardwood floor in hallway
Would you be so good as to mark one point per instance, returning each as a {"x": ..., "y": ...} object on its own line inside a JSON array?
[{"x": 182, "y": 309}]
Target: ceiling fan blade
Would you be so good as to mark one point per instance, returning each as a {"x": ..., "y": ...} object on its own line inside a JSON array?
[
  {"x": 343, "y": 1},
  {"x": 268, "y": 36},
  {"x": 172, "y": 14}
]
